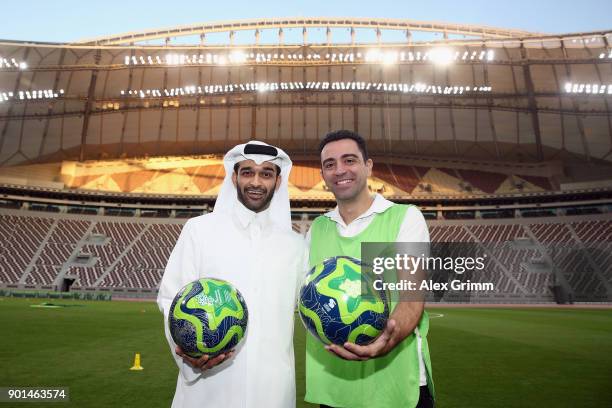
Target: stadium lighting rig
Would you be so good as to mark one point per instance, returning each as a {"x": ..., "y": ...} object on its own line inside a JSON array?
[
  {"x": 442, "y": 56},
  {"x": 31, "y": 95},
  {"x": 12, "y": 63},
  {"x": 262, "y": 87},
  {"x": 437, "y": 55},
  {"x": 606, "y": 55},
  {"x": 5, "y": 96},
  {"x": 596, "y": 40},
  {"x": 110, "y": 106},
  {"x": 592, "y": 89}
]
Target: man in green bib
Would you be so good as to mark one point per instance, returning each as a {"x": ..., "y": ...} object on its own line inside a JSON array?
[{"x": 395, "y": 370}]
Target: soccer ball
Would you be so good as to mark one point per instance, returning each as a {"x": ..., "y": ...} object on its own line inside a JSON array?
[
  {"x": 332, "y": 307},
  {"x": 208, "y": 316}
]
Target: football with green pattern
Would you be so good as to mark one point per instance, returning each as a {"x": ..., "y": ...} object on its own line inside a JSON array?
[
  {"x": 208, "y": 316},
  {"x": 333, "y": 307}
]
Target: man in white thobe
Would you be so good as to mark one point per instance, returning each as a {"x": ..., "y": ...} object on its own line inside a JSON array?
[{"x": 248, "y": 241}]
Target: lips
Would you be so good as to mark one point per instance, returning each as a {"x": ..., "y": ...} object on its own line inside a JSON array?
[
  {"x": 255, "y": 194},
  {"x": 344, "y": 182}
]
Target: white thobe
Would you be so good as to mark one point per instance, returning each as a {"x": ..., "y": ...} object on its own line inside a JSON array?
[{"x": 265, "y": 264}]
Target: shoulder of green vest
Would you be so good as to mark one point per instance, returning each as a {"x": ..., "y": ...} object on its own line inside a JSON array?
[
  {"x": 321, "y": 219},
  {"x": 403, "y": 205},
  {"x": 399, "y": 209},
  {"x": 320, "y": 223},
  {"x": 396, "y": 214}
]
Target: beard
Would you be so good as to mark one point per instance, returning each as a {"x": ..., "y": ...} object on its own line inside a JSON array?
[{"x": 255, "y": 206}]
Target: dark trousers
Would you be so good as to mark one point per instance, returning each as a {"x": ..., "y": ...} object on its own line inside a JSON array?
[{"x": 425, "y": 399}]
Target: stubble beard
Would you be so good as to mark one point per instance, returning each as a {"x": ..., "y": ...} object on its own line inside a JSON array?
[
  {"x": 350, "y": 195},
  {"x": 254, "y": 207}
]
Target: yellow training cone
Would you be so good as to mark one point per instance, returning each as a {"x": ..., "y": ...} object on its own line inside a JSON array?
[{"x": 137, "y": 366}]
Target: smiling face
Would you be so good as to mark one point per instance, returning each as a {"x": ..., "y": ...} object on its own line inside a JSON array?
[
  {"x": 344, "y": 171},
  {"x": 256, "y": 184}
]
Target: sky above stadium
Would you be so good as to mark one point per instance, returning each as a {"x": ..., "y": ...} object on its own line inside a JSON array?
[{"x": 72, "y": 20}]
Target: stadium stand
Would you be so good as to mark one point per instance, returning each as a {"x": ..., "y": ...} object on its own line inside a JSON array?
[
  {"x": 127, "y": 257},
  {"x": 85, "y": 277},
  {"x": 19, "y": 249}
]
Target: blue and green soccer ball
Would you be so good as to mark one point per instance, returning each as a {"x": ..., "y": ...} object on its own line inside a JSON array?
[
  {"x": 332, "y": 307},
  {"x": 208, "y": 316}
]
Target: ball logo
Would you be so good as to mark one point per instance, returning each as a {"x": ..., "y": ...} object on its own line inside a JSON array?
[
  {"x": 329, "y": 305},
  {"x": 216, "y": 299}
]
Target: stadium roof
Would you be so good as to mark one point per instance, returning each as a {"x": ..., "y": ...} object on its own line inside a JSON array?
[
  {"x": 328, "y": 23},
  {"x": 470, "y": 92}
]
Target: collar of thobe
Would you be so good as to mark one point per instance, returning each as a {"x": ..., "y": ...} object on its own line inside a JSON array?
[{"x": 247, "y": 217}]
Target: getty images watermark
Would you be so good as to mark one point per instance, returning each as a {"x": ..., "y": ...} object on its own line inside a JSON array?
[
  {"x": 412, "y": 270},
  {"x": 514, "y": 270}
]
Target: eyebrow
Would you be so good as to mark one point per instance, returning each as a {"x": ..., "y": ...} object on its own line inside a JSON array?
[
  {"x": 267, "y": 168},
  {"x": 344, "y": 156}
]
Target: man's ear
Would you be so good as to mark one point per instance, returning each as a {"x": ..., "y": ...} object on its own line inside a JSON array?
[
  {"x": 234, "y": 179},
  {"x": 278, "y": 183},
  {"x": 369, "y": 164}
]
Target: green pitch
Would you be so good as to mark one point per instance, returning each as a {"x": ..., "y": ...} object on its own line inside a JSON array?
[{"x": 481, "y": 357}]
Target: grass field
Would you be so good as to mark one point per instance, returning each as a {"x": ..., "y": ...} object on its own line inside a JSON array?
[{"x": 481, "y": 357}]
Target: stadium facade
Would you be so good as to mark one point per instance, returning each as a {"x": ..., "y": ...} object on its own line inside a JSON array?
[{"x": 108, "y": 145}]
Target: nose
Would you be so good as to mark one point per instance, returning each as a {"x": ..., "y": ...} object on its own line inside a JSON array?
[
  {"x": 340, "y": 170},
  {"x": 256, "y": 181}
]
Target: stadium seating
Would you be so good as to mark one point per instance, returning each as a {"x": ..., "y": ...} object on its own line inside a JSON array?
[
  {"x": 453, "y": 233},
  {"x": 54, "y": 254},
  {"x": 18, "y": 248},
  {"x": 42, "y": 275},
  {"x": 593, "y": 231},
  {"x": 86, "y": 277},
  {"x": 111, "y": 253}
]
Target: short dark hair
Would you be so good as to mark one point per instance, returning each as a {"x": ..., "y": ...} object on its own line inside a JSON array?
[
  {"x": 276, "y": 166},
  {"x": 345, "y": 134}
]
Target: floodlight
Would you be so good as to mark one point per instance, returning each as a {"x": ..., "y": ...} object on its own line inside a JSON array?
[
  {"x": 441, "y": 56},
  {"x": 389, "y": 57}
]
